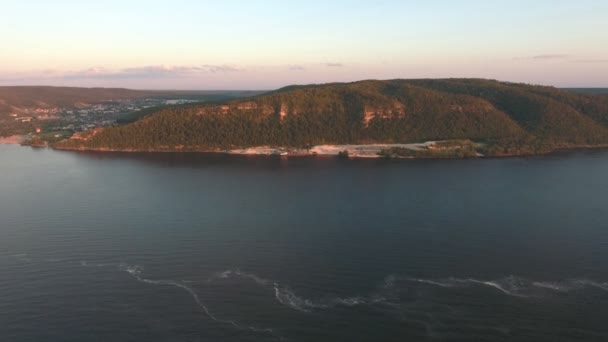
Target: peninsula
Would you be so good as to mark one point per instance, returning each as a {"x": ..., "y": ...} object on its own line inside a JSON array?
[{"x": 466, "y": 117}]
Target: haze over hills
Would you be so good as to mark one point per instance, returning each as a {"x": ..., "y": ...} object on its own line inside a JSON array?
[
  {"x": 16, "y": 99},
  {"x": 508, "y": 118},
  {"x": 19, "y": 98}
]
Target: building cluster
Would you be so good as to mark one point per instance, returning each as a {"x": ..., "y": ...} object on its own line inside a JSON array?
[{"x": 90, "y": 116}]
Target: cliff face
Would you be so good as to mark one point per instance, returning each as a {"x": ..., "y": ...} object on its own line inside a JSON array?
[{"x": 372, "y": 112}]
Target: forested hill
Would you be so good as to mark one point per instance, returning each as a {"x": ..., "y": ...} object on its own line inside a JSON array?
[{"x": 509, "y": 118}]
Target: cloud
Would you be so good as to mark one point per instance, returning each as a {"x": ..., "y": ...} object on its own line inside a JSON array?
[
  {"x": 544, "y": 57},
  {"x": 550, "y": 56},
  {"x": 591, "y": 61},
  {"x": 296, "y": 67},
  {"x": 333, "y": 65},
  {"x": 563, "y": 57},
  {"x": 150, "y": 71},
  {"x": 49, "y": 71},
  {"x": 133, "y": 73},
  {"x": 221, "y": 68}
]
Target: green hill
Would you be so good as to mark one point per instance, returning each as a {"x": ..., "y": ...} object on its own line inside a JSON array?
[{"x": 508, "y": 118}]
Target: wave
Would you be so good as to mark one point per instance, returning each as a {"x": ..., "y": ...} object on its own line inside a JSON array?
[
  {"x": 427, "y": 281},
  {"x": 238, "y": 273},
  {"x": 285, "y": 296},
  {"x": 386, "y": 294},
  {"x": 290, "y": 299},
  {"x": 512, "y": 285},
  {"x": 136, "y": 272},
  {"x": 586, "y": 282}
]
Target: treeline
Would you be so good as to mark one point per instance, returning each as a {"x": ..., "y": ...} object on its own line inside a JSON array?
[{"x": 12, "y": 127}]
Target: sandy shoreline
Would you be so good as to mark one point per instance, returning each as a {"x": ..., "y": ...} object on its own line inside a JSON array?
[
  {"x": 353, "y": 151},
  {"x": 12, "y": 140}
]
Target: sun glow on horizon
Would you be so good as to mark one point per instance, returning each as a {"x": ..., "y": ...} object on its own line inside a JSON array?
[{"x": 269, "y": 44}]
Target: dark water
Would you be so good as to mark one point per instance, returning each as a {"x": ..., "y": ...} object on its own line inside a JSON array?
[{"x": 161, "y": 247}]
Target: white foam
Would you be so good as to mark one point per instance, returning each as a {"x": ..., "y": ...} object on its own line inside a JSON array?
[
  {"x": 353, "y": 301},
  {"x": 238, "y": 273},
  {"x": 497, "y": 286},
  {"x": 290, "y": 299},
  {"x": 433, "y": 282},
  {"x": 136, "y": 272},
  {"x": 287, "y": 297},
  {"x": 511, "y": 286},
  {"x": 601, "y": 286},
  {"x": 255, "y": 278},
  {"x": 552, "y": 286},
  {"x": 517, "y": 286},
  {"x": 85, "y": 263},
  {"x": 225, "y": 274}
]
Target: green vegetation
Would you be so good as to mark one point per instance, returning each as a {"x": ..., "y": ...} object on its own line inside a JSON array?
[
  {"x": 442, "y": 149},
  {"x": 10, "y": 127},
  {"x": 46, "y": 138},
  {"x": 506, "y": 118}
]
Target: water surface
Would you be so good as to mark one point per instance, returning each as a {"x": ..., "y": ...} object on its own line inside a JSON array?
[{"x": 194, "y": 247}]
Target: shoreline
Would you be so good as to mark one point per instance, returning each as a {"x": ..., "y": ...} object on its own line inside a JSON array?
[
  {"x": 325, "y": 151},
  {"x": 346, "y": 150},
  {"x": 360, "y": 151}
]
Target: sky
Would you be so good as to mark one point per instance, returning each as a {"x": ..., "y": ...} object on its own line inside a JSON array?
[{"x": 257, "y": 44}]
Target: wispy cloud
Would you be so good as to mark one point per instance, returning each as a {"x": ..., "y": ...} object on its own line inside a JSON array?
[
  {"x": 591, "y": 61},
  {"x": 333, "y": 65},
  {"x": 545, "y": 57},
  {"x": 144, "y": 72},
  {"x": 296, "y": 67},
  {"x": 565, "y": 58},
  {"x": 152, "y": 71},
  {"x": 550, "y": 56}
]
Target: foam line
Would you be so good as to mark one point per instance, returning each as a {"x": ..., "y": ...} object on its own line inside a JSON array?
[
  {"x": 431, "y": 282},
  {"x": 287, "y": 297},
  {"x": 601, "y": 286},
  {"x": 495, "y": 285},
  {"x": 515, "y": 286},
  {"x": 136, "y": 272}
]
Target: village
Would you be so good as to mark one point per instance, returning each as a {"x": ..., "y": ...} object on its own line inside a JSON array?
[{"x": 86, "y": 116}]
